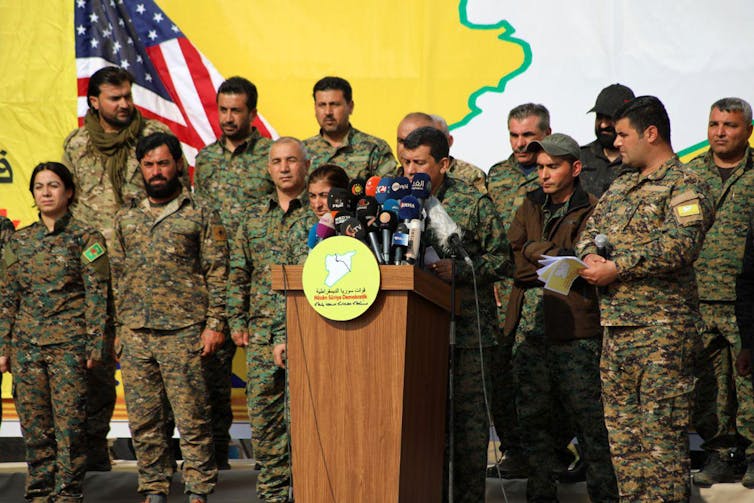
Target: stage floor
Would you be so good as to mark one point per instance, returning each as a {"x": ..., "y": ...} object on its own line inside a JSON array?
[{"x": 237, "y": 486}]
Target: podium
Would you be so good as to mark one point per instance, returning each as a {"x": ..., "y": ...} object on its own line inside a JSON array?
[{"x": 368, "y": 396}]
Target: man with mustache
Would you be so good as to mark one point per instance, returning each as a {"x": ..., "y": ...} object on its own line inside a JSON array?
[
  {"x": 170, "y": 270},
  {"x": 231, "y": 177},
  {"x": 600, "y": 159},
  {"x": 338, "y": 142},
  {"x": 101, "y": 156}
]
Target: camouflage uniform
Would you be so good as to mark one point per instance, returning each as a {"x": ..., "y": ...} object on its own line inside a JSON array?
[
  {"x": 6, "y": 230},
  {"x": 53, "y": 315},
  {"x": 597, "y": 171},
  {"x": 362, "y": 155},
  {"x": 97, "y": 205},
  {"x": 724, "y": 402},
  {"x": 230, "y": 183},
  {"x": 171, "y": 274},
  {"x": 484, "y": 240},
  {"x": 506, "y": 185},
  {"x": 556, "y": 358},
  {"x": 656, "y": 225},
  {"x": 469, "y": 173},
  {"x": 745, "y": 293},
  {"x": 268, "y": 236}
]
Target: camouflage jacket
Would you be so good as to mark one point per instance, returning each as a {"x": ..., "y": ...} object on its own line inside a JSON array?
[
  {"x": 720, "y": 258},
  {"x": 745, "y": 291},
  {"x": 656, "y": 226},
  {"x": 55, "y": 286},
  {"x": 507, "y": 186},
  {"x": 96, "y": 203},
  {"x": 170, "y": 272},
  {"x": 267, "y": 236},
  {"x": 6, "y": 231},
  {"x": 232, "y": 182},
  {"x": 362, "y": 155},
  {"x": 469, "y": 173},
  {"x": 483, "y": 238}
]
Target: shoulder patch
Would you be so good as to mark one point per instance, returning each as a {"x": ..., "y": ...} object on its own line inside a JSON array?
[
  {"x": 687, "y": 208},
  {"x": 219, "y": 233},
  {"x": 93, "y": 252}
]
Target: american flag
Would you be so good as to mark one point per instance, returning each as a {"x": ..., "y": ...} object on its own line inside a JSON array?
[{"x": 174, "y": 82}]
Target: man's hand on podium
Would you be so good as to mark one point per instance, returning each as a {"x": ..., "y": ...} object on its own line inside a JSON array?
[{"x": 278, "y": 355}]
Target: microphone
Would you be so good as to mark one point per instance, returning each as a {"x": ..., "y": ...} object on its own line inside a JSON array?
[
  {"x": 413, "y": 248},
  {"x": 400, "y": 188},
  {"x": 421, "y": 187},
  {"x": 381, "y": 193},
  {"x": 366, "y": 210},
  {"x": 446, "y": 230},
  {"x": 339, "y": 199},
  {"x": 325, "y": 227},
  {"x": 370, "y": 188},
  {"x": 388, "y": 221},
  {"x": 352, "y": 227},
  {"x": 409, "y": 209},
  {"x": 356, "y": 187},
  {"x": 340, "y": 218},
  {"x": 312, "y": 240},
  {"x": 391, "y": 205},
  {"x": 373, "y": 234},
  {"x": 400, "y": 243},
  {"x": 603, "y": 245}
]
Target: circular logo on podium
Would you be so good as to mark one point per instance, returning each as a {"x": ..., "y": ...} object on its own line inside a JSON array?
[{"x": 341, "y": 278}]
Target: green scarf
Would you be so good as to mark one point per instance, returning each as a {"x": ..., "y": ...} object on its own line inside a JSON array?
[{"x": 115, "y": 147}]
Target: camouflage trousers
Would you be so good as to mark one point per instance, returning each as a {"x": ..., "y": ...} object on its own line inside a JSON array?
[
  {"x": 646, "y": 390},
  {"x": 566, "y": 374},
  {"x": 723, "y": 412},
  {"x": 49, "y": 388},
  {"x": 503, "y": 379},
  {"x": 265, "y": 393},
  {"x": 100, "y": 405},
  {"x": 471, "y": 429},
  {"x": 218, "y": 371},
  {"x": 166, "y": 364}
]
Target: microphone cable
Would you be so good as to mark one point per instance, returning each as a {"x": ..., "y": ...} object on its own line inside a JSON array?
[{"x": 487, "y": 408}]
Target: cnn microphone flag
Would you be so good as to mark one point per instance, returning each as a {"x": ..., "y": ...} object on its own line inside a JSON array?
[{"x": 174, "y": 82}]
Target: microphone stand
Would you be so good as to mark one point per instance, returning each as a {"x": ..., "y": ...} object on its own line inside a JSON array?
[{"x": 451, "y": 369}]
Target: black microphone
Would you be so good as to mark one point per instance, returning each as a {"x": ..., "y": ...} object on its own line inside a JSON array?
[
  {"x": 352, "y": 228},
  {"x": 340, "y": 218},
  {"x": 373, "y": 234},
  {"x": 603, "y": 246},
  {"x": 388, "y": 222},
  {"x": 400, "y": 243},
  {"x": 339, "y": 199},
  {"x": 356, "y": 188}
]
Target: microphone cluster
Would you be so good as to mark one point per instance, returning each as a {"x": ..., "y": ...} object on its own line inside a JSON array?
[{"x": 386, "y": 213}]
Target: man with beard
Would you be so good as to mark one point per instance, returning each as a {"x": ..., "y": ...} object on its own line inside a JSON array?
[
  {"x": 101, "y": 156},
  {"x": 169, "y": 261},
  {"x": 231, "y": 177},
  {"x": 338, "y": 142},
  {"x": 600, "y": 159}
]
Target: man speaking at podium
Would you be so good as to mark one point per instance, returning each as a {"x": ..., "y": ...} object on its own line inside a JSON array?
[{"x": 483, "y": 237}]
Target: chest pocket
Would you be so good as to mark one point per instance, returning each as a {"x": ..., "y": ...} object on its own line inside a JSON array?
[
  {"x": 650, "y": 206},
  {"x": 183, "y": 240}
]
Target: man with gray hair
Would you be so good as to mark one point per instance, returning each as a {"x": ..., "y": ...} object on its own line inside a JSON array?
[
  {"x": 274, "y": 232},
  {"x": 724, "y": 405}
]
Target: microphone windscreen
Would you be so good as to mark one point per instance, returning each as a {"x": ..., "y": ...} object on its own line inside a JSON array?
[
  {"x": 325, "y": 227},
  {"x": 383, "y": 189},
  {"x": 391, "y": 205},
  {"x": 366, "y": 208},
  {"x": 341, "y": 217},
  {"x": 400, "y": 188},
  {"x": 421, "y": 186},
  {"x": 409, "y": 208},
  {"x": 370, "y": 188},
  {"x": 338, "y": 199},
  {"x": 388, "y": 220},
  {"x": 312, "y": 240},
  {"x": 353, "y": 228}
]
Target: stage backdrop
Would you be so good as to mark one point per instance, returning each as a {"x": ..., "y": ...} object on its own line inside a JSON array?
[{"x": 469, "y": 61}]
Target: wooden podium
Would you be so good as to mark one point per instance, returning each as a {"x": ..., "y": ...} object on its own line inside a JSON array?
[{"x": 367, "y": 396}]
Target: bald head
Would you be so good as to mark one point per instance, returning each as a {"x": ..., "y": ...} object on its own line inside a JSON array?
[{"x": 411, "y": 122}]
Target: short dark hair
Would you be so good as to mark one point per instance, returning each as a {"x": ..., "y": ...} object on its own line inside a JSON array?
[
  {"x": 154, "y": 140},
  {"x": 113, "y": 75},
  {"x": 240, "y": 85},
  {"x": 333, "y": 83},
  {"x": 645, "y": 111},
  {"x": 432, "y": 138},
  {"x": 731, "y": 104},
  {"x": 59, "y": 169},
  {"x": 334, "y": 175}
]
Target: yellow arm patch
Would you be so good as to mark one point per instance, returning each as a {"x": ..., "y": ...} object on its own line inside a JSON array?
[{"x": 687, "y": 208}]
